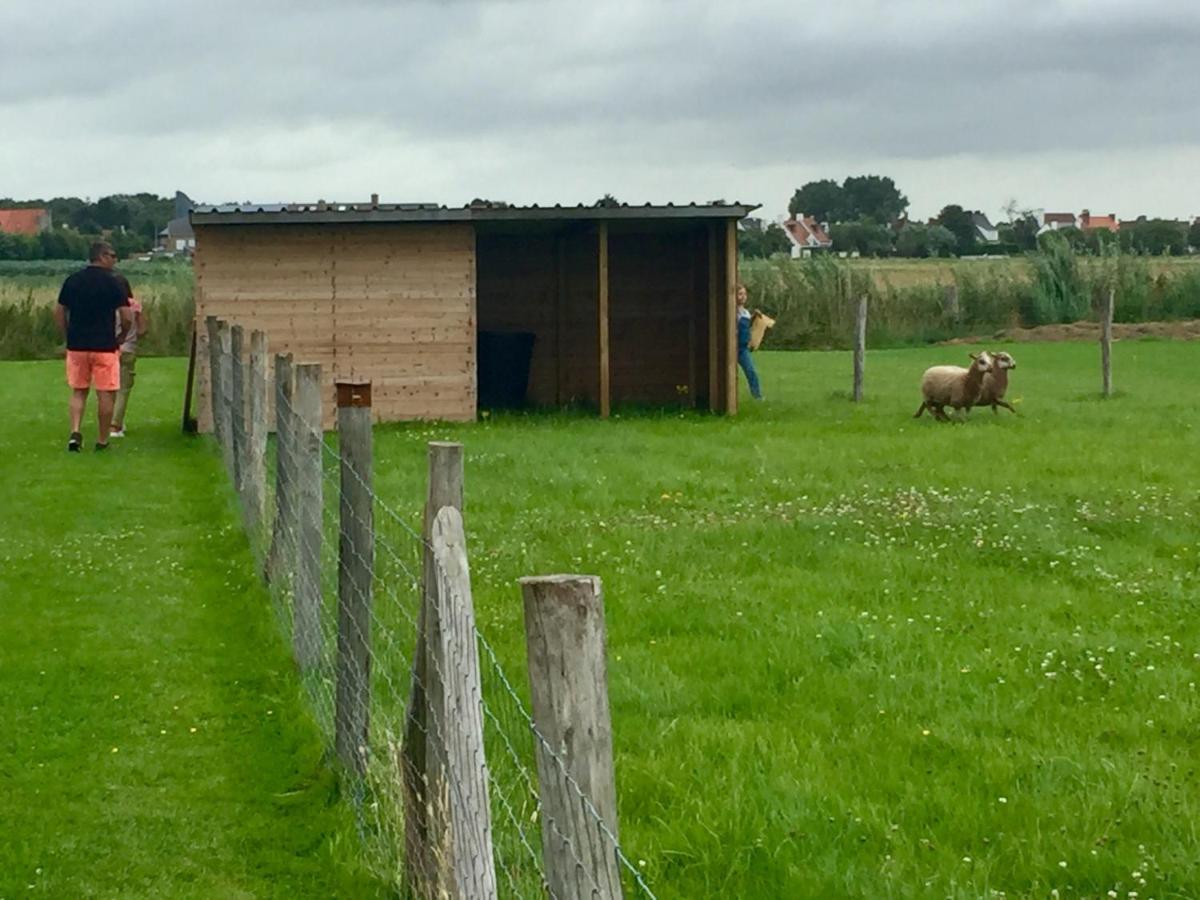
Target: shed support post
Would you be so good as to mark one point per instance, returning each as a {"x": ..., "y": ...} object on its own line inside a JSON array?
[{"x": 602, "y": 305}]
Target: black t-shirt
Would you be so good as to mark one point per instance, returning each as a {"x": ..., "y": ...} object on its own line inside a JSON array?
[{"x": 92, "y": 296}]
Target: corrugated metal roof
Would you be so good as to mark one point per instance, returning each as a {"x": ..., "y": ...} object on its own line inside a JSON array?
[{"x": 324, "y": 213}]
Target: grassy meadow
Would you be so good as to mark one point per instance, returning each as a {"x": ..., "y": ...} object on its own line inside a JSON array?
[
  {"x": 856, "y": 655},
  {"x": 154, "y": 741},
  {"x": 851, "y": 654}
]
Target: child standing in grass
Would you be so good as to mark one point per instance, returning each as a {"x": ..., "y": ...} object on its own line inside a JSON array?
[
  {"x": 128, "y": 358},
  {"x": 743, "y": 344}
]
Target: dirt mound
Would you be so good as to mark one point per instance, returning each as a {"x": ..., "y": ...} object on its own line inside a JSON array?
[{"x": 1187, "y": 330}]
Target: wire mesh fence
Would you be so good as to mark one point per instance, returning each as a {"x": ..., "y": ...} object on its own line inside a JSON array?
[{"x": 457, "y": 789}]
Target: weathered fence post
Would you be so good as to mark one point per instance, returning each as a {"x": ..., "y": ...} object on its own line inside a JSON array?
[
  {"x": 225, "y": 340},
  {"x": 460, "y": 821},
  {"x": 860, "y": 346},
  {"x": 356, "y": 572},
  {"x": 212, "y": 326},
  {"x": 1106, "y": 324},
  {"x": 237, "y": 402},
  {"x": 283, "y": 527},
  {"x": 445, "y": 488},
  {"x": 255, "y": 475},
  {"x": 950, "y": 302},
  {"x": 306, "y": 446},
  {"x": 564, "y": 638}
]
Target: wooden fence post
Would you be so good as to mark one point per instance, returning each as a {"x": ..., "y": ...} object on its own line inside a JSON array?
[
  {"x": 445, "y": 488},
  {"x": 860, "y": 346},
  {"x": 225, "y": 340},
  {"x": 308, "y": 497},
  {"x": 460, "y": 821},
  {"x": 255, "y": 476},
  {"x": 564, "y": 638},
  {"x": 237, "y": 402},
  {"x": 356, "y": 573},
  {"x": 1106, "y": 324},
  {"x": 950, "y": 302},
  {"x": 284, "y": 524},
  {"x": 212, "y": 326}
]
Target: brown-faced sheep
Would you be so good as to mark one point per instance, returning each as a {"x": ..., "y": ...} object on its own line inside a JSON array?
[
  {"x": 953, "y": 386},
  {"x": 995, "y": 383}
]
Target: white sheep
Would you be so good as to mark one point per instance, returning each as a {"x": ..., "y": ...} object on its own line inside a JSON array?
[
  {"x": 953, "y": 386},
  {"x": 995, "y": 383}
]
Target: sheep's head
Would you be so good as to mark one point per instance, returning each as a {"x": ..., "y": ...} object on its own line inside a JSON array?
[
  {"x": 982, "y": 361},
  {"x": 1002, "y": 360}
]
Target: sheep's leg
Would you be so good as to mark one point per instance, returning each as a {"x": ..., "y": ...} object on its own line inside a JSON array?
[
  {"x": 922, "y": 408},
  {"x": 1005, "y": 404},
  {"x": 939, "y": 412}
]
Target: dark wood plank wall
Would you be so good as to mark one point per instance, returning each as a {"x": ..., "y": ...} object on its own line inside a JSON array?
[
  {"x": 546, "y": 284},
  {"x": 653, "y": 336},
  {"x": 663, "y": 287}
]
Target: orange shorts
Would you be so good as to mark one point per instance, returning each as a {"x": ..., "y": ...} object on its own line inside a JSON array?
[{"x": 92, "y": 368}]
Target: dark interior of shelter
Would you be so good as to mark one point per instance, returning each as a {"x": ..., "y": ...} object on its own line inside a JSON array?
[{"x": 538, "y": 308}]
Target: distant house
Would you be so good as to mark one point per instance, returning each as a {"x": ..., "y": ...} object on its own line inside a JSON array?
[
  {"x": 24, "y": 221},
  {"x": 1088, "y": 222},
  {"x": 984, "y": 230},
  {"x": 807, "y": 235},
  {"x": 178, "y": 236},
  {"x": 1054, "y": 221}
]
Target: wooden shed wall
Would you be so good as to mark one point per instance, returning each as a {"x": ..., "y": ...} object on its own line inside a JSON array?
[
  {"x": 394, "y": 304},
  {"x": 547, "y": 284}
]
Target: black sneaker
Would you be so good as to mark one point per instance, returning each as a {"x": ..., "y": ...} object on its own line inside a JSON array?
[
  {"x": 75, "y": 442},
  {"x": 100, "y": 446}
]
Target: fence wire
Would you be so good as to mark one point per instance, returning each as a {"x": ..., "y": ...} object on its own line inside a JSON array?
[{"x": 511, "y": 737}]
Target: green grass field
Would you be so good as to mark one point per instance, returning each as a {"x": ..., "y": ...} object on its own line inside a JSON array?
[
  {"x": 153, "y": 740},
  {"x": 850, "y": 654}
]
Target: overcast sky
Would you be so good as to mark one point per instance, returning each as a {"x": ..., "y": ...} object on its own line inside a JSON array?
[{"x": 1055, "y": 104}]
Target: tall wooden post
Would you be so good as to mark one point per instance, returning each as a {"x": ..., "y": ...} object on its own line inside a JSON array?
[
  {"x": 860, "y": 346},
  {"x": 460, "y": 824},
  {"x": 714, "y": 320},
  {"x": 237, "y": 401},
  {"x": 564, "y": 638},
  {"x": 730, "y": 317},
  {"x": 283, "y": 526},
  {"x": 1106, "y": 324},
  {"x": 356, "y": 573},
  {"x": 225, "y": 340},
  {"x": 445, "y": 489},
  {"x": 255, "y": 476},
  {"x": 602, "y": 323},
  {"x": 308, "y": 496},
  {"x": 212, "y": 327}
]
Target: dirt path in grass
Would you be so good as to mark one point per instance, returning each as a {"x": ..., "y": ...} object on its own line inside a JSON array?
[{"x": 1186, "y": 330}]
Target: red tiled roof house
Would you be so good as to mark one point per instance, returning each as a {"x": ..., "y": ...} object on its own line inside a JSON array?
[
  {"x": 807, "y": 235},
  {"x": 24, "y": 221}
]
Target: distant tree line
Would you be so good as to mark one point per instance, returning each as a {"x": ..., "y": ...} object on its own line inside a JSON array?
[
  {"x": 130, "y": 222},
  {"x": 866, "y": 214}
]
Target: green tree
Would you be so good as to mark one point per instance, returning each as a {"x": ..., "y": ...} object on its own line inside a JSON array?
[
  {"x": 917, "y": 240},
  {"x": 874, "y": 197},
  {"x": 1155, "y": 237},
  {"x": 757, "y": 240},
  {"x": 958, "y": 222},
  {"x": 823, "y": 200},
  {"x": 863, "y": 236},
  {"x": 1193, "y": 237}
]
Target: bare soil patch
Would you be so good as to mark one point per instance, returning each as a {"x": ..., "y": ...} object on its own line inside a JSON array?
[{"x": 1185, "y": 330}]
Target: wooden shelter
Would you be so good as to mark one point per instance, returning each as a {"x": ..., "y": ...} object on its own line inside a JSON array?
[{"x": 613, "y": 304}]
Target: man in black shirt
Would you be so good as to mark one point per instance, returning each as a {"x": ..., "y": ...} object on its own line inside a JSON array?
[{"x": 84, "y": 314}]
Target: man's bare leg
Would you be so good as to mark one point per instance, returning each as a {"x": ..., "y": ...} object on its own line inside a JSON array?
[
  {"x": 78, "y": 403},
  {"x": 104, "y": 409}
]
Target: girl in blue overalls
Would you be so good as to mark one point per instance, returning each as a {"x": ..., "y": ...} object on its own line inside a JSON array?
[{"x": 743, "y": 344}]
